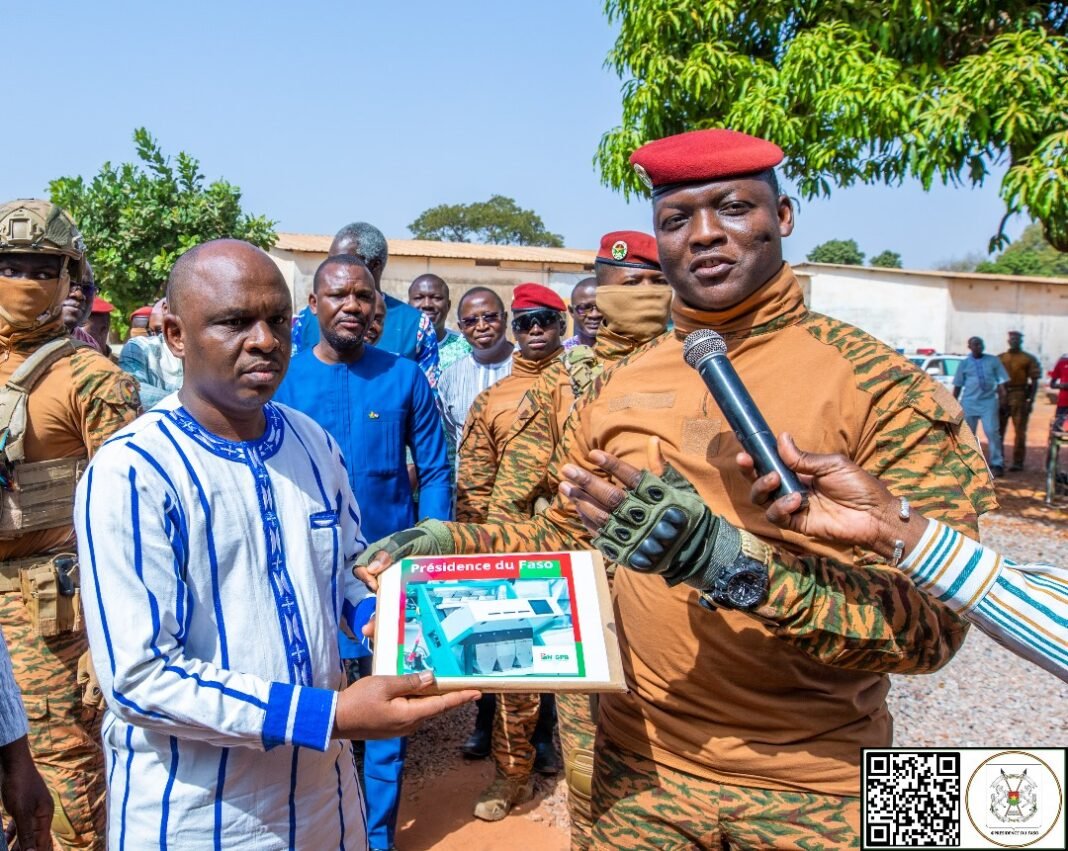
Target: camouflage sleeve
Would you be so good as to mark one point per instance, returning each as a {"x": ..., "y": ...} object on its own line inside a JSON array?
[
  {"x": 106, "y": 397},
  {"x": 915, "y": 443},
  {"x": 557, "y": 528},
  {"x": 866, "y": 615},
  {"x": 870, "y": 618},
  {"x": 476, "y": 467},
  {"x": 522, "y": 475}
]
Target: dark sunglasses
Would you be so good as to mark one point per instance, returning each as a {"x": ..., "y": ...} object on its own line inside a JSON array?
[
  {"x": 88, "y": 290},
  {"x": 473, "y": 321},
  {"x": 523, "y": 322},
  {"x": 583, "y": 309}
]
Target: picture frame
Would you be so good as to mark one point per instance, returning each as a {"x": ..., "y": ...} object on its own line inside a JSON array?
[{"x": 517, "y": 622}]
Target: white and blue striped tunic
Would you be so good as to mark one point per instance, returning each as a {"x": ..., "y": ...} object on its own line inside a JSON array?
[
  {"x": 1023, "y": 606},
  {"x": 214, "y": 577}
]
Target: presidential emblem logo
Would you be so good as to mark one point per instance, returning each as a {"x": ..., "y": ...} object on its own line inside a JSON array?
[
  {"x": 619, "y": 250},
  {"x": 1013, "y": 798},
  {"x": 643, "y": 176}
]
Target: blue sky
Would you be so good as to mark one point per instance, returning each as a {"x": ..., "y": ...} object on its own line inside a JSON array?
[{"x": 328, "y": 112}]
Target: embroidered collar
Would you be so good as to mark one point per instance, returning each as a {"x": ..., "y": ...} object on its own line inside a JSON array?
[{"x": 265, "y": 446}]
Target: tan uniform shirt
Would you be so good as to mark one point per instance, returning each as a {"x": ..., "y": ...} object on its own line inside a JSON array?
[
  {"x": 1022, "y": 368},
  {"x": 726, "y": 695},
  {"x": 78, "y": 404},
  {"x": 487, "y": 426}
]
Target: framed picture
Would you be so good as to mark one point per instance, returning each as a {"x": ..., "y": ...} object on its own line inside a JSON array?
[{"x": 533, "y": 622}]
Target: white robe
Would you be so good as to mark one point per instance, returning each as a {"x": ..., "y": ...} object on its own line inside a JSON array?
[{"x": 214, "y": 576}]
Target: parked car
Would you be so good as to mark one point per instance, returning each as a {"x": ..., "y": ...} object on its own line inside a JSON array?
[{"x": 941, "y": 367}]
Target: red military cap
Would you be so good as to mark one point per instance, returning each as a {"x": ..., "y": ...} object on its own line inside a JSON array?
[
  {"x": 142, "y": 311},
  {"x": 101, "y": 306},
  {"x": 536, "y": 297},
  {"x": 703, "y": 155},
  {"x": 629, "y": 248}
]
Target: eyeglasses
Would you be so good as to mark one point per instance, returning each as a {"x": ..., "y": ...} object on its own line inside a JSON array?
[
  {"x": 473, "y": 321},
  {"x": 523, "y": 322},
  {"x": 88, "y": 290},
  {"x": 583, "y": 309}
]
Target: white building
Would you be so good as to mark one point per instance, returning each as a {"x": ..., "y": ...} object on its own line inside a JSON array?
[{"x": 911, "y": 309}]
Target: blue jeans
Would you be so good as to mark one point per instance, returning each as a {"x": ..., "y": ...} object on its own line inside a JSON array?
[{"x": 989, "y": 418}]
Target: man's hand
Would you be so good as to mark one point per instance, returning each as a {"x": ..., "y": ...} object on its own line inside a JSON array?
[
  {"x": 429, "y": 538},
  {"x": 25, "y": 796},
  {"x": 92, "y": 696},
  {"x": 381, "y": 707},
  {"x": 845, "y": 503},
  {"x": 655, "y": 523}
]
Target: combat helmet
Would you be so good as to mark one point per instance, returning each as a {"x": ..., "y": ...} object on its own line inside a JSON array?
[{"x": 29, "y": 226}]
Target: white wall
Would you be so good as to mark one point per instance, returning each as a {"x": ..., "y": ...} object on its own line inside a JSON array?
[
  {"x": 909, "y": 314},
  {"x": 990, "y": 311},
  {"x": 910, "y": 311}
]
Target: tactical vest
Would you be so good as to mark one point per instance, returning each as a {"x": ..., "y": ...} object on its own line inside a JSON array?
[{"x": 38, "y": 494}]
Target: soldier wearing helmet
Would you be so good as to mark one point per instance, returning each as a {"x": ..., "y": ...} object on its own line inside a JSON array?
[{"x": 59, "y": 401}]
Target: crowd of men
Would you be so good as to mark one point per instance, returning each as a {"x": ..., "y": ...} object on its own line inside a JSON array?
[{"x": 210, "y": 515}]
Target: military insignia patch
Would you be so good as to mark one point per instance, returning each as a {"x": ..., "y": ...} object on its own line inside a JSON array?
[
  {"x": 373, "y": 415},
  {"x": 619, "y": 250},
  {"x": 643, "y": 176}
]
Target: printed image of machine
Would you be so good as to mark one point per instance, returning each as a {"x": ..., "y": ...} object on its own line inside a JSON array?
[{"x": 482, "y": 628}]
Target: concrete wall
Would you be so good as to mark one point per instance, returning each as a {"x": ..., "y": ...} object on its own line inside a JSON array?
[
  {"x": 299, "y": 269},
  {"x": 908, "y": 314},
  {"x": 910, "y": 311},
  {"x": 1040, "y": 311}
]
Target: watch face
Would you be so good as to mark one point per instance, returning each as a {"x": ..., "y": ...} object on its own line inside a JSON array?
[{"x": 747, "y": 588}]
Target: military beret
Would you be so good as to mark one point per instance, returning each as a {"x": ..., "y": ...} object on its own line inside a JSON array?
[
  {"x": 702, "y": 155},
  {"x": 142, "y": 311},
  {"x": 629, "y": 248},
  {"x": 536, "y": 297},
  {"x": 101, "y": 306}
]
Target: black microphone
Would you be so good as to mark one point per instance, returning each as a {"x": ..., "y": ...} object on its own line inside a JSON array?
[{"x": 706, "y": 351}]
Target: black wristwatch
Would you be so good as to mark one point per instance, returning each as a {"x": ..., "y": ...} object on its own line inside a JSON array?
[{"x": 742, "y": 585}]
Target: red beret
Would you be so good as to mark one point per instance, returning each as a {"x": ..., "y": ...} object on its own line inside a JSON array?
[
  {"x": 536, "y": 297},
  {"x": 101, "y": 306},
  {"x": 142, "y": 311},
  {"x": 703, "y": 155},
  {"x": 629, "y": 248}
]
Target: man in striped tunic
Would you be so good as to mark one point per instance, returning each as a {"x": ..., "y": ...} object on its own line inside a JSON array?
[{"x": 216, "y": 534}]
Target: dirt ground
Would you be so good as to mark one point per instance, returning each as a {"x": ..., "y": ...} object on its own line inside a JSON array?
[{"x": 441, "y": 788}]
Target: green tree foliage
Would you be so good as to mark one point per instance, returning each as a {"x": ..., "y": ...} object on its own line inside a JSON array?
[
  {"x": 868, "y": 91},
  {"x": 1028, "y": 255},
  {"x": 887, "y": 260},
  {"x": 138, "y": 218},
  {"x": 845, "y": 252},
  {"x": 499, "y": 221}
]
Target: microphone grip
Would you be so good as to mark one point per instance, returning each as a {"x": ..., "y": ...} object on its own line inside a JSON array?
[{"x": 762, "y": 448}]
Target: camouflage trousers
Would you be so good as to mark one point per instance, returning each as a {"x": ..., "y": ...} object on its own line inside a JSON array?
[
  {"x": 576, "y": 717},
  {"x": 1018, "y": 409},
  {"x": 513, "y": 727},
  {"x": 639, "y": 804},
  {"x": 64, "y": 735}
]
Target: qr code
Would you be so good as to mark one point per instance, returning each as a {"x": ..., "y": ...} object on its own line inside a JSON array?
[{"x": 911, "y": 799}]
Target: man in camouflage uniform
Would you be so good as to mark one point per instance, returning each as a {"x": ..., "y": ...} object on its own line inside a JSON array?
[
  {"x": 743, "y": 725},
  {"x": 633, "y": 304},
  {"x": 74, "y": 400},
  {"x": 538, "y": 324},
  {"x": 1024, "y": 372}
]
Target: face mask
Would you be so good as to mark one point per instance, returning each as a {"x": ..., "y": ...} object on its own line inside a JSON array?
[
  {"x": 636, "y": 313},
  {"x": 27, "y": 305}
]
